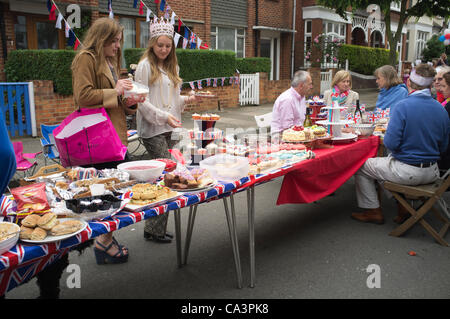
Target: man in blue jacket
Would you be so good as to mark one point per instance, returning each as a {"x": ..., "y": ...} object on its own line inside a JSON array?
[{"x": 418, "y": 132}]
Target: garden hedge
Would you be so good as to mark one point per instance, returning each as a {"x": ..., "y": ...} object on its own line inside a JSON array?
[
  {"x": 364, "y": 60},
  {"x": 54, "y": 65}
]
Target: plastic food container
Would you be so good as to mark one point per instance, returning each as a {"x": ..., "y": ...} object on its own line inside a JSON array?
[
  {"x": 226, "y": 168},
  {"x": 137, "y": 91},
  {"x": 8, "y": 242},
  {"x": 364, "y": 129}
]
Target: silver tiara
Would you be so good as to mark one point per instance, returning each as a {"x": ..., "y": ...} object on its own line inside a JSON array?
[{"x": 161, "y": 27}]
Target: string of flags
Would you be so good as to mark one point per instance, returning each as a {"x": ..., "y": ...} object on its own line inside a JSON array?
[
  {"x": 214, "y": 82},
  {"x": 190, "y": 39},
  {"x": 72, "y": 39}
]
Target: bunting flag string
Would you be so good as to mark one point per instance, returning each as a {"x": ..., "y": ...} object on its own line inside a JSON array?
[
  {"x": 232, "y": 80},
  {"x": 189, "y": 38},
  {"x": 72, "y": 39}
]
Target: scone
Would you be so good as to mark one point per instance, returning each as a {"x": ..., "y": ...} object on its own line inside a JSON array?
[
  {"x": 25, "y": 232},
  {"x": 31, "y": 220},
  {"x": 47, "y": 221},
  {"x": 38, "y": 234},
  {"x": 66, "y": 227}
]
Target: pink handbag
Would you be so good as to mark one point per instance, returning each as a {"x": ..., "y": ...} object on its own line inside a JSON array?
[{"x": 87, "y": 136}]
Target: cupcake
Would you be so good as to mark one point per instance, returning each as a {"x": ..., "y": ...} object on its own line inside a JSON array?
[
  {"x": 196, "y": 116},
  {"x": 206, "y": 117},
  {"x": 215, "y": 117}
]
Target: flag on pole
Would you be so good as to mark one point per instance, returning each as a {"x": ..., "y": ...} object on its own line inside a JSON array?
[
  {"x": 49, "y": 5},
  {"x": 199, "y": 42},
  {"x": 77, "y": 43},
  {"x": 72, "y": 38},
  {"x": 172, "y": 19},
  {"x": 185, "y": 42},
  {"x": 52, "y": 15},
  {"x": 58, "y": 21},
  {"x": 67, "y": 29},
  {"x": 179, "y": 24}
]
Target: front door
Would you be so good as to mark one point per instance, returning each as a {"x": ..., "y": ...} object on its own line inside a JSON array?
[{"x": 270, "y": 48}]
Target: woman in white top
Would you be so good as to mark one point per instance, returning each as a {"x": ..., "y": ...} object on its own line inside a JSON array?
[{"x": 161, "y": 111}]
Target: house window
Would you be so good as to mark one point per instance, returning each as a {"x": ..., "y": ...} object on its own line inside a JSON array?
[
  {"x": 308, "y": 41},
  {"x": 396, "y": 6},
  {"x": 20, "y": 30},
  {"x": 407, "y": 45},
  {"x": 223, "y": 38},
  {"x": 421, "y": 42},
  {"x": 47, "y": 37},
  {"x": 129, "y": 36},
  {"x": 144, "y": 34},
  {"x": 334, "y": 30}
]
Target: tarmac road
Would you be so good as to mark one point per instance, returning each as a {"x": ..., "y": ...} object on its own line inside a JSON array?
[{"x": 302, "y": 251}]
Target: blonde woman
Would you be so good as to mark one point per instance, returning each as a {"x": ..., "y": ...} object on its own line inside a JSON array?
[
  {"x": 161, "y": 112},
  {"x": 96, "y": 84},
  {"x": 392, "y": 88},
  {"x": 341, "y": 91}
]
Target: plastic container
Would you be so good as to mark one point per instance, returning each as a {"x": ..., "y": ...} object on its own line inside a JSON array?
[
  {"x": 143, "y": 171},
  {"x": 225, "y": 167},
  {"x": 8, "y": 243},
  {"x": 137, "y": 91},
  {"x": 364, "y": 129}
]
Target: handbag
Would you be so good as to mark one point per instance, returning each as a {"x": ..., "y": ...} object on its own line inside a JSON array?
[{"x": 87, "y": 136}]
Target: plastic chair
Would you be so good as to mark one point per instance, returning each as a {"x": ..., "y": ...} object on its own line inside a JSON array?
[
  {"x": 263, "y": 120},
  {"x": 48, "y": 144},
  {"x": 428, "y": 195},
  {"x": 22, "y": 163}
]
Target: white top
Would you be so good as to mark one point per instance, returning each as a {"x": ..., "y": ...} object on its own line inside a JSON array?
[{"x": 151, "y": 118}]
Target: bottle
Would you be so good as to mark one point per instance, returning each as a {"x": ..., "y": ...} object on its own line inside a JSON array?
[
  {"x": 358, "y": 110},
  {"x": 308, "y": 121}
]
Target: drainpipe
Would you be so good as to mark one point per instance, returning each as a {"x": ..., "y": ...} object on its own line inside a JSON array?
[
  {"x": 3, "y": 33},
  {"x": 256, "y": 31},
  {"x": 293, "y": 40}
]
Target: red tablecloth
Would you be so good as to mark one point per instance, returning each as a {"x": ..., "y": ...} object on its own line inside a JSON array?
[{"x": 317, "y": 178}]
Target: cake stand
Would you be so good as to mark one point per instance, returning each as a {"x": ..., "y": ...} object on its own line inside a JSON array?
[{"x": 334, "y": 125}]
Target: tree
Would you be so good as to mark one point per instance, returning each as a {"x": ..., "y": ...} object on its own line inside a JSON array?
[
  {"x": 417, "y": 9},
  {"x": 434, "y": 49}
]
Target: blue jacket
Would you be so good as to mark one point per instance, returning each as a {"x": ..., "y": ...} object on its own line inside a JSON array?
[
  {"x": 390, "y": 97},
  {"x": 418, "y": 129}
]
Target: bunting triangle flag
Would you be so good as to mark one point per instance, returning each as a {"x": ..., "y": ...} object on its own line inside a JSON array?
[
  {"x": 135, "y": 4},
  {"x": 141, "y": 8},
  {"x": 148, "y": 15},
  {"x": 52, "y": 15},
  {"x": 58, "y": 21},
  {"x": 176, "y": 38}
]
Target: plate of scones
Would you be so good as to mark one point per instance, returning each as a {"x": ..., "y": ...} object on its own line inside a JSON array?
[{"x": 48, "y": 228}]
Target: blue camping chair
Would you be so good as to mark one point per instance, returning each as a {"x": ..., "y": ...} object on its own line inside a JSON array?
[{"x": 48, "y": 143}]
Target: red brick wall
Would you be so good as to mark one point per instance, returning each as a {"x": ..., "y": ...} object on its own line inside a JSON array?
[
  {"x": 270, "y": 90},
  {"x": 51, "y": 108}
]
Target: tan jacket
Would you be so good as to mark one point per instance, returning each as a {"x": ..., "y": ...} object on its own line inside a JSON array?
[{"x": 93, "y": 87}]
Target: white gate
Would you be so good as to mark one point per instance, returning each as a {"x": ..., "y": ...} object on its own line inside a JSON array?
[
  {"x": 249, "y": 89},
  {"x": 325, "y": 81}
]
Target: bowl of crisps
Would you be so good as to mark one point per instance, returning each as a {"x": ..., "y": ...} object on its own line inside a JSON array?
[{"x": 9, "y": 235}]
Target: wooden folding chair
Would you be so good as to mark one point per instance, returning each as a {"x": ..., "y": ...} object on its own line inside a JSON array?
[{"x": 429, "y": 195}]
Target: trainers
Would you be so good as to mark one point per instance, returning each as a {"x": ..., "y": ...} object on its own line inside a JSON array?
[{"x": 374, "y": 216}]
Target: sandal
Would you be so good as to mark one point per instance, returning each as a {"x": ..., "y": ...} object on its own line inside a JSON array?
[{"x": 102, "y": 257}]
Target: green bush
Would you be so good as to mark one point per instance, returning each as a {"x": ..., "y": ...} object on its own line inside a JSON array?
[
  {"x": 253, "y": 65},
  {"x": 54, "y": 65},
  {"x": 196, "y": 64},
  {"x": 364, "y": 60}
]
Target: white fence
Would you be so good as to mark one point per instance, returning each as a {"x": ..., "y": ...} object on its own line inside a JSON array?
[
  {"x": 325, "y": 81},
  {"x": 249, "y": 89}
]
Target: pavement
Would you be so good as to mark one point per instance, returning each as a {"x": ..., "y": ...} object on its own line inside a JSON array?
[{"x": 307, "y": 251}]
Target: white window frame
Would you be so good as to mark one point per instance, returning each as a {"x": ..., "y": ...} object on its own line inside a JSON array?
[
  {"x": 421, "y": 42},
  {"x": 307, "y": 35},
  {"x": 396, "y": 6},
  {"x": 215, "y": 32}
]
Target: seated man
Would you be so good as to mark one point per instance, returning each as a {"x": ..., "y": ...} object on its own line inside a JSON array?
[
  {"x": 290, "y": 107},
  {"x": 418, "y": 132}
]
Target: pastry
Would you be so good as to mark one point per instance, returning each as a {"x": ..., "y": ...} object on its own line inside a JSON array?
[
  {"x": 31, "y": 220},
  {"x": 47, "y": 221},
  {"x": 38, "y": 234},
  {"x": 66, "y": 227},
  {"x": 206, "y": 117},
  {"x": 319, "y": 131},
  {"x": 196, "y": 116},
  {"x": 25, "y": 232}
]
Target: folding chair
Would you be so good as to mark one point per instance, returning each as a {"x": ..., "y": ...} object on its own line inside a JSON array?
[
  {"x": 22, "y": 163},
  {"x": 428, "y": 195},
  {"x": 48, "y": 144},
  {"x": 263, "y": 120}
]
